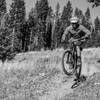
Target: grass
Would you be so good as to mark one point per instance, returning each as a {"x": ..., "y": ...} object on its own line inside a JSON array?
[
  {"x": 88, "y": 91},
  {"x": 39, "y": 76},
  {"x": 29, "y": 82},
  {"x": 19, "y": 84}
]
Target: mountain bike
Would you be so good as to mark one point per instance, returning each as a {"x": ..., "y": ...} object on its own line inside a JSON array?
[{"x": 69, "y": 60}]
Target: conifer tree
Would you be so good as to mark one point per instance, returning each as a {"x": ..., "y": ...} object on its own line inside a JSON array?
[
  {"x": 17, "y": 17},
  {"x": 67, "y": 14},
  {"x": 42, "y": 8}
]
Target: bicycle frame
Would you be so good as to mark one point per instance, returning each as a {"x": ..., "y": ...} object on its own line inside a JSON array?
[
  {"x": 73, "y": 48},
  {"x": 74, "y": 54}
]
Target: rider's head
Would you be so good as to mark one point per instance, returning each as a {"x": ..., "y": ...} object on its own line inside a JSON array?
[{"x": 75, "y": 22}]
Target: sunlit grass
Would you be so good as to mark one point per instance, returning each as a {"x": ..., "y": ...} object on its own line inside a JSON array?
[{"x": 39, "y": 75}]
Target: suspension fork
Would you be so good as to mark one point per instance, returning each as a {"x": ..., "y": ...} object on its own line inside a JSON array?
[
  {"x": 75, "y": 56},
  {"x": 78, "y": 67},
  {"x": 72, "y": 49}
]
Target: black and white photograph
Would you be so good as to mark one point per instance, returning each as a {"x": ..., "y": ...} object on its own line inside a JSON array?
[{"x": 49, "y": 49}]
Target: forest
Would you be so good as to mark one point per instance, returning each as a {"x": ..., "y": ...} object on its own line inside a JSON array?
[{"x": 43, "y": 28}]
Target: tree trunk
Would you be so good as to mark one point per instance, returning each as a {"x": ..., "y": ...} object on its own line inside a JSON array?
[
  {"x": 13, "y": 38},
  {"x": 30, "y": 41}
]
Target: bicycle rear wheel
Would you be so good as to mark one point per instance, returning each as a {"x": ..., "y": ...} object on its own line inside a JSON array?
[{"x": 68, "y": 63}]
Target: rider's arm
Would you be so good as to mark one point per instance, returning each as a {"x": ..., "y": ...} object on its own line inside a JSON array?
[
  {"x": 85, "y": 30},
  {"x": 65, "y": 34}
]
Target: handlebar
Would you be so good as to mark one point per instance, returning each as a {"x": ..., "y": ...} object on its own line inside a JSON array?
[{"x": 81, "y": 39}]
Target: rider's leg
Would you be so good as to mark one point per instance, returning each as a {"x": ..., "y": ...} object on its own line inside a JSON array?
[
  {"x": 78, "y": 55},
  {"x": 77, "y": 74}
]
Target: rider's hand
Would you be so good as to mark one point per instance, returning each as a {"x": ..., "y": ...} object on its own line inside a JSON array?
[
  {"x": 86, "y": 37},
  {"x": 83, "y": 40},
  {"x": 63, "y": 39},
  {"x": 72, "y": 40}
]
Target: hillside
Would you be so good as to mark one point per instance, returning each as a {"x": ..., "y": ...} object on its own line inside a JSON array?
[{"x": 39, "y": 76}]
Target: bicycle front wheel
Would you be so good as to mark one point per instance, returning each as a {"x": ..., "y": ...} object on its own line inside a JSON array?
[{"x": 68, "y": 63}]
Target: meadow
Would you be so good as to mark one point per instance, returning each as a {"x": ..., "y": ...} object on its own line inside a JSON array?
[{"x": 39, "y": 76}]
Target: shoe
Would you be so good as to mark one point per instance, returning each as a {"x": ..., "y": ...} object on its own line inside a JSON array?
[{"x": 77, "y": 79}]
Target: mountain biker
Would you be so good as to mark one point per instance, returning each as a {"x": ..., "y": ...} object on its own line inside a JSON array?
[{"x": 76, "y": 31}]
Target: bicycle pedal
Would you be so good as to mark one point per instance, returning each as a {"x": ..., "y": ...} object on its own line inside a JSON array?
[{"x": 76, "y": 84}]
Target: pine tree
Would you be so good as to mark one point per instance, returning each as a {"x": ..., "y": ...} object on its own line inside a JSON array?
[
  {"x": 17, "y": 17},
  {"x": 3, "y": 30},
  {"x": 25, "y": 36},
  {"x": 5, "y": 39},
  {"x": 49, "y": 27},
  {"x": 3, "y": 9},
  {"x": 96, "y": 37},
  {"x": 76, "y": 12},
  {"x": 33, "y": 26},
  {"x": 88, "y": 22},
  {"x": 87, "y": 14},
  {"x": 42, "y": 8},
  {"x": 65, "y": 18},
  {"x": 58, "y": 33},
  {"x": 57, "y": 13},
  {"x": 56, "y": 26},
  {"x": 66, "y": 14},
  {"x": 80, "y": 15},
  {"x": 48, "y": 32},
  {"x": 97, "y": 25}
]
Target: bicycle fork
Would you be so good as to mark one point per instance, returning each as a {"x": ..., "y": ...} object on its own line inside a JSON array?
[{"x": 78, "y": 70}]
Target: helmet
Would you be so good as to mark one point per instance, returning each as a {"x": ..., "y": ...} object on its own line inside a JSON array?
[{"x": 74, "y": 20}]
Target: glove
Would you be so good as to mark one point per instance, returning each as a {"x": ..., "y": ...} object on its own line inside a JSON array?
[
  {"x": 72, "y": 40},
  {"x": 63, "y": 39}
]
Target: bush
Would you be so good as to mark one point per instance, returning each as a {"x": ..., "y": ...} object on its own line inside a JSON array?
[{"x": 6, "y": 54}]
